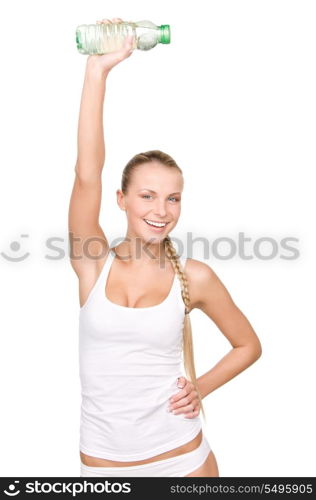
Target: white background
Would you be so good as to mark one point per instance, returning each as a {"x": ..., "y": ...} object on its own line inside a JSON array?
[{"x": 232, "y": 99}]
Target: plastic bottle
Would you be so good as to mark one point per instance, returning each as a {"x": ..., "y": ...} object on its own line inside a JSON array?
[{"x": 108, "y": 37}]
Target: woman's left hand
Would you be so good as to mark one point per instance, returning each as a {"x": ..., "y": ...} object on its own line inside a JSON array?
[{"x": 186, "y": 401}]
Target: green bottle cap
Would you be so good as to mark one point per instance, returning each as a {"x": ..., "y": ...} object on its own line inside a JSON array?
[{"x": 164, "y": 33}]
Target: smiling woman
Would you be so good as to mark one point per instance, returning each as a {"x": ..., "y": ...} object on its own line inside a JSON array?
[{"x": 140, "y": 416}]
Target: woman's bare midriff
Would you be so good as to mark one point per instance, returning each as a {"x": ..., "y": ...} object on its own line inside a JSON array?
[{"x": 102, "y": 462}]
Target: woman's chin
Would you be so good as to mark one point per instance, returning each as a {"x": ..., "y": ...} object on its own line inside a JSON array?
[{"x": 154, "y": 239}]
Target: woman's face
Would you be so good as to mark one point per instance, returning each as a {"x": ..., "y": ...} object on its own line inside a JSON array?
[{"x": 154, "y": 196}]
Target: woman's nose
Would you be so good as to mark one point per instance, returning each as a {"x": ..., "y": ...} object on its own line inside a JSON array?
[{"x": 160, "y": 209}]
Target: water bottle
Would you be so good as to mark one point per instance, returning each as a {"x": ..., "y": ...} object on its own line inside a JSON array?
[{"x": 108, "y": 37}]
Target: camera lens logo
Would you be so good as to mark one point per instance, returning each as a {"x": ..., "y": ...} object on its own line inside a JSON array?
[{"x": 13, "y": 492}]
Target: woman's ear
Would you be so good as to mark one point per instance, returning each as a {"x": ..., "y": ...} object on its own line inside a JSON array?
[{"x": 120, "y": 199}]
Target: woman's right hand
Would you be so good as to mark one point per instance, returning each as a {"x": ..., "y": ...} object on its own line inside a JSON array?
[{"x": 106, "y": 62}]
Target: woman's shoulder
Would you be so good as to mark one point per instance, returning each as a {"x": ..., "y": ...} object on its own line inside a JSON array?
[
  {"x": 201, "y": 277},
  {"x": 198, "y": 269}
]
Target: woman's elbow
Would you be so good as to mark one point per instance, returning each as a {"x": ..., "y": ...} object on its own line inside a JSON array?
[{"x": 257, "y": 350}]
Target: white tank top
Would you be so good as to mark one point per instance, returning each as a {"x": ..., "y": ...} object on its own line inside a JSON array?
[{"x": 129, "y": 361}]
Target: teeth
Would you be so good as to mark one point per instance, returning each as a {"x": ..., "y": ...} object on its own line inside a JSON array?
[{"x": 157, "y": 224}]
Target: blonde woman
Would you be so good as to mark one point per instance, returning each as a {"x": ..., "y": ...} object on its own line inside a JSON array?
[{"x": 140, "y": 416}]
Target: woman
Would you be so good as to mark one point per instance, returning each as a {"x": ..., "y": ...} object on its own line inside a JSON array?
[{"x": 135, "y": 302}]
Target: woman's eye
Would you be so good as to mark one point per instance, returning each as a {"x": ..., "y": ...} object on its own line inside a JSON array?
[
  {"x": 144, "y": 195},
  {"x": 172, "y": 197}
]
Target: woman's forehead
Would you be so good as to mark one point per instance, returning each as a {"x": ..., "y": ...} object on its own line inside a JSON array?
[{"x": 157, "y": 178}]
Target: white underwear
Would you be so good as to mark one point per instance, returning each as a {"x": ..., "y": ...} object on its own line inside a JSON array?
[{"x": 178, "y": 466}]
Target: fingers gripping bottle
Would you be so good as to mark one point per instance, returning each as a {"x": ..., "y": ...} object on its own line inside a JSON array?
[{"x": 108, "y": 37}]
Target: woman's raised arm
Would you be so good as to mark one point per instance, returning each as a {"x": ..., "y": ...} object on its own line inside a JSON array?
[{"x": 85, "y": 202}]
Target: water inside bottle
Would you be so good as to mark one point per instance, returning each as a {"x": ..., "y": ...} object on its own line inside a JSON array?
[{"x": 103, "y": 38}]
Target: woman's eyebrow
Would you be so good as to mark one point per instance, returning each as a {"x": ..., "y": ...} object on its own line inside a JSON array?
[{"x": 151, "y": 191}]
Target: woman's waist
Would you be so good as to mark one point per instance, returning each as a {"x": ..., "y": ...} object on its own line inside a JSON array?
[
  {"x": 125, "y": 408},
  {"x": 125, "y": 394},
  {"x": 191, "y": 445}
]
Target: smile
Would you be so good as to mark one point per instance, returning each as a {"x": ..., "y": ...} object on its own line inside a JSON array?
[{"x": 156, "y": 224}]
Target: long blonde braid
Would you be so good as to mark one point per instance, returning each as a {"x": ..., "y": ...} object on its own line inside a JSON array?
[{"x": 188, "y": 351}]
